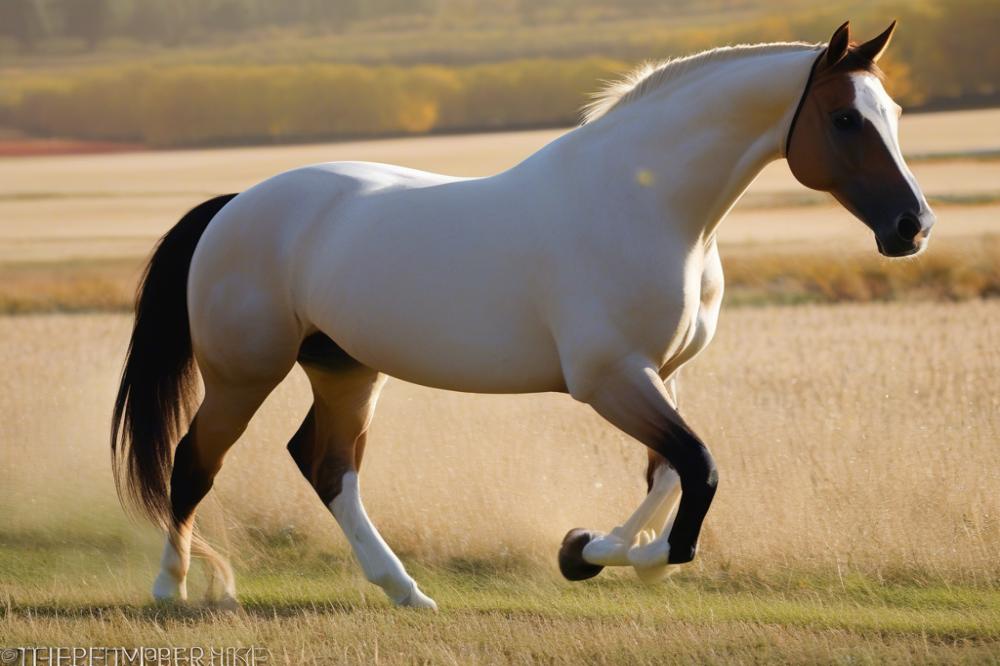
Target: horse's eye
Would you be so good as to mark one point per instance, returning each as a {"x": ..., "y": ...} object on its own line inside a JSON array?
[{"x": 846, "y": 120}]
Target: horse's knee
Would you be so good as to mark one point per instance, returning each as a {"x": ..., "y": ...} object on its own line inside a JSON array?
[
  {"x": 702, "y": 475},
  {"x": 693, "y": 461}
]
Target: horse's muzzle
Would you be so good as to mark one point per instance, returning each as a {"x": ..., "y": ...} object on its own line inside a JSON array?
[{"x": 908, "y": 235}]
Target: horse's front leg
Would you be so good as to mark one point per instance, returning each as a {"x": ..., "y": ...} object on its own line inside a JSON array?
[
  {"x": 585, "y": 553},
  {"x": 634, "y": 398},
  {"x": 647, "y": 524}
]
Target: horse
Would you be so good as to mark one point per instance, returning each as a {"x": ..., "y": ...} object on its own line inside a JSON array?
[{"x": 590, "y": 268}]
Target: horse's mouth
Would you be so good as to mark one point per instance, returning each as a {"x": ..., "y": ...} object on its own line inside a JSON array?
[{"x": 898, "y": 252}]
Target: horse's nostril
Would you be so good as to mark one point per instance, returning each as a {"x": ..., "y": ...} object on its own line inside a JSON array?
[{"x": 908, "y": 227}]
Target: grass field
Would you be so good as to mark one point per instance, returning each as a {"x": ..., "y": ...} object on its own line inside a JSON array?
[
  {"x": 856, "y": 522},
  {"x": 322, "y": 615},
  {"x": 858, "y": 517}
]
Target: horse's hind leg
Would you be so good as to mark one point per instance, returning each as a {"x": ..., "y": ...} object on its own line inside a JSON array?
[
  {"x": 328, "y": 448},
  {"x": 222, "y": 417}
]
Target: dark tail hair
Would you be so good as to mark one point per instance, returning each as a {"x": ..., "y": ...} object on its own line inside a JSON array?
[{"x": 157, "y": 390}]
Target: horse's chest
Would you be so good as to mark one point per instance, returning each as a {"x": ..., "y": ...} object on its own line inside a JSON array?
[{"x": 693, "y": 326}]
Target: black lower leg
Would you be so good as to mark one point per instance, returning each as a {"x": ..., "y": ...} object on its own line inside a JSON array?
[
  {"x": 302, "y": 445},
  {"x": 699, "y": 480},
  {"x": 189, "y": 482},
  {"x": 322, "y": 462}
]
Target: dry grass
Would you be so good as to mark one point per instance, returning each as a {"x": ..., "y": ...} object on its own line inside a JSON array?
[
  {"x": 530, "y": 622},
  {"x": 75, "y": 286},
  {"x": 857, "y": 516},
  {"x": 849, "y": 437},
  {"x": 953, "y": 270}
]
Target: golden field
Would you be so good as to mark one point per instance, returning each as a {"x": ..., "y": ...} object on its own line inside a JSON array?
[
  {"x": 858, "y": 517},
  {"x": 858, "y": 437}
]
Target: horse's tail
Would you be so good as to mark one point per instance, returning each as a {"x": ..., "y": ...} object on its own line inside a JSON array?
[{"x": 158, "y": 384}]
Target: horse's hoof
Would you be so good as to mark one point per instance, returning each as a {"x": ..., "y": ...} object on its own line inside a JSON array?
[
  {"x": 417, "y": 599},
  {"x": 167, "y": 590},
  {"x": 571, "y": 562},
  {"x": 227, "y": 603}
]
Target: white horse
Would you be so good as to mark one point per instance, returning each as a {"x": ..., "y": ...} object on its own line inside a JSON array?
[{"x": 590, "y": 268}]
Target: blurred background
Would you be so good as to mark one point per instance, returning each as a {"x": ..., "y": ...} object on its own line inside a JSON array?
[{"x": 215, "y": 72}]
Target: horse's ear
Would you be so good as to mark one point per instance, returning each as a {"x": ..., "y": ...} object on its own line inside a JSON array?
[
  {"x": 837, "y": 48},
  {"x": 873, "y": 50}
]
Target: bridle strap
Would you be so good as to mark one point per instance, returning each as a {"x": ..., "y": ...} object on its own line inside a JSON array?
[{"x": 802, "y": 100}]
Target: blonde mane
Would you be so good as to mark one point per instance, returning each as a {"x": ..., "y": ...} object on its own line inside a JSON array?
[{"x": 651, "y": 76}]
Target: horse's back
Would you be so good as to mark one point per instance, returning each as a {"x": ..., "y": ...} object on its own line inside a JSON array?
[{"x": 420, "y": 275}]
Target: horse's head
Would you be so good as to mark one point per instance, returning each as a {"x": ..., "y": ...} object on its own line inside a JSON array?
[{"x": 844, "y": 140}]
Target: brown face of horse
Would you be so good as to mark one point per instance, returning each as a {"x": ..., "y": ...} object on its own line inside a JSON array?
[{"x": 844, "y": 140}]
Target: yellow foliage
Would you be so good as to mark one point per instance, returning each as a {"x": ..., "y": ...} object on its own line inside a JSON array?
[
  {"x": 287, "y": 88},
  {"x": 200, "y": 104}
]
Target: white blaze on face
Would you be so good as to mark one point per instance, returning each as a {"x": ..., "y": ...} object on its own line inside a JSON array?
[{"x": 875, "y": 106}]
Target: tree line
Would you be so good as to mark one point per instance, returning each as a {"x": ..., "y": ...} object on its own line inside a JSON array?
[
  {"x": 945, "y": 54},
  {"x": 199, "y": 105},
  {"x": 174, "y": 22}
]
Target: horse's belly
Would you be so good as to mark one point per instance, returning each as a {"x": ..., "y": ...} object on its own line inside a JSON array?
[
  {"x": 464, "y": 320},
  {"x": 458, "y": 356}
]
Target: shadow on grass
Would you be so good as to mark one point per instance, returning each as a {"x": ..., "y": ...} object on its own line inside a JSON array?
[{"x": 194, "y": 612}]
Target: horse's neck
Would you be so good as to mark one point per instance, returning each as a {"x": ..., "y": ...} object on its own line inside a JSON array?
[{"x": 696, "y": 145}]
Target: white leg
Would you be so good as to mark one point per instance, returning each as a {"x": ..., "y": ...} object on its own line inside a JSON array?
[
  {"x": 380, "y": 564},
  {"x": 171, "y": 583},
  {"x": 649, "y": 555},
  {"x": 613, "y": 549}
]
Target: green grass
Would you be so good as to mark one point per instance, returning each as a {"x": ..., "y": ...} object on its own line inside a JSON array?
[{"x": 309, "y": 606}]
